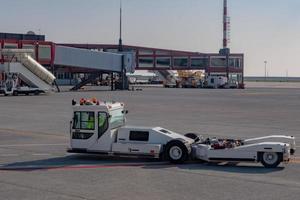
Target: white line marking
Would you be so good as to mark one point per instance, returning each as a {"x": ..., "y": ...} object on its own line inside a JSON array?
[
  {"x": 30, "y": 145},
  {"x": 41, "y": 154},
  {"x": 9, "y": 155}
]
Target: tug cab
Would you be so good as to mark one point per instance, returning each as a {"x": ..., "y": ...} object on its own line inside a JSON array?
[{"x": 94, "y": 125}]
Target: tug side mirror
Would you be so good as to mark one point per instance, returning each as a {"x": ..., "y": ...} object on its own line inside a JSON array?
[{"x": 73, "y": 102}]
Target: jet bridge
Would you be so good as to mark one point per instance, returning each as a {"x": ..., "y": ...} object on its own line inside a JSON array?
[
  {"x": 96, "y": 61},
  {"x": 21, "y": 62}
]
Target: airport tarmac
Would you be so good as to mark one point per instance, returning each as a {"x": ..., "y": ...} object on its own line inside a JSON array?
[{"x": 34, "y": 132}]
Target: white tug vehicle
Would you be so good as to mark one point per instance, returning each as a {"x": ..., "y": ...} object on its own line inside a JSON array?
[{"x": 99, "y": 127}]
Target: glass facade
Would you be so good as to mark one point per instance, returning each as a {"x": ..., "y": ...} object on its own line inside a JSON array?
[
  {"x": 10, "y": 46},
  {"x": 45, "y": 52},
  {"x": 218, "y": 62},
  {"x": 145, "y": 62},
  {"x": 163, "y": 62},
  {"x": 180, "y": 62},
  {"x": 199, "y": 62},
  {"x": 145, "y": 52},
  {"x": 221, "y": 62},
  {"x": 112, "y": 50},
  {"x": 29, "y": 46},
  {"x": 235, "y": 62},
  {"x": 162, "y": 53}
]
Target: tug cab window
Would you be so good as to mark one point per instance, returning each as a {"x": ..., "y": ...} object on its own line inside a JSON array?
[
  {"x": 139, "y": 135},
  {"x": 102, "y": 123},
  {"x": 117, "y": 118},
  {"x": 84, "y": 120}
]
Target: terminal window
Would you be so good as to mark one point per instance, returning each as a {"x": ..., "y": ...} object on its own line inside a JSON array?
[{"x": 180, "y": 62}]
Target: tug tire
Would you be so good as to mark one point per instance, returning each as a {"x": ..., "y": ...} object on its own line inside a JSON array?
[{"x": 176, "y": 152}]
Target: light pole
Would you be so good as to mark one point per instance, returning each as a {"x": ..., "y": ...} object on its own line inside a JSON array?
[{"x": 265, "y": 69}]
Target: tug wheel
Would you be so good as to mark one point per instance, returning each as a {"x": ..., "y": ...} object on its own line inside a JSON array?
[
  {"x": 270, "y": 159},
  {"x": 176, "y": 152}
]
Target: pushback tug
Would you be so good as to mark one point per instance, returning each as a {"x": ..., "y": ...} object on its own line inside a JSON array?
[{"x": 99, "y": 127}]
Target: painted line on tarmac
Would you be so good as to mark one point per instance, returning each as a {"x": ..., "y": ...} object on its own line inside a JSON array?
[
  {"x": 14, "y": 131},
  {"x": 33, "y": 154},
  {"x": 24, "y": 154},
  {"x": 105, "y": 166},
  {"x": 9, "y": 155},
  {"x": 31, "y": 145},
  {"x": 74, "y": 167},
  {"x": 41, "y": 154}
]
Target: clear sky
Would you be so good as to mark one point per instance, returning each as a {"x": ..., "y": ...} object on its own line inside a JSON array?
[{"x": 262, "y": 29}]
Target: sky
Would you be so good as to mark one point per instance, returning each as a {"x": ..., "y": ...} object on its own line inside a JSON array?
[{"x": 264, "y": 30}]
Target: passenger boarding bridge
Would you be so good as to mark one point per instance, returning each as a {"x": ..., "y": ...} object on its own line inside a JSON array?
[
  {"x": 66, "y": 61},
  {"x": 155, "y": 59},
  {"x": 60, "y": 59}
]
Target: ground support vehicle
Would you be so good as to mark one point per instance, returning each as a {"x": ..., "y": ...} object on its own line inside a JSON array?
[
  {"x": 13, "y": 85},
  {"x": 99, "y": 127},
  {"x": 215, "y": 81},
  {"x": 190, "y": 79},
  {"x": 22, "y": 74}
]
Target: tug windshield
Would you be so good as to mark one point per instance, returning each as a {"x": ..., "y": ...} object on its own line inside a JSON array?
[
  {"x": 84, "y": 120},
  {"x": 117, "y": 118}
]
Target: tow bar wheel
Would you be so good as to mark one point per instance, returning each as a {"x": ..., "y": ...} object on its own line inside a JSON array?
[
  {"x": 270, "y": 159},
  {"x": 176, "y": 152}
]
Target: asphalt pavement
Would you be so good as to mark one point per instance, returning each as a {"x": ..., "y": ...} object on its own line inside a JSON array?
[{"x": 34, "y": 135}]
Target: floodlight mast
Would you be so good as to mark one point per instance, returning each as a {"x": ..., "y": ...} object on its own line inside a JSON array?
[
  {"x": 225, "y": 24},
  {"x": 120, "y": 29},
  {"x": 226, "y": 50},
  {"x": 120, "y": 48}
]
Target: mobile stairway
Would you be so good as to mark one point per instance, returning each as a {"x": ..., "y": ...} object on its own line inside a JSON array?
[
  {"x": 168, "y": 77},
  {"x": 23, "y": 74},
  {"x": 92, "y": 77}
]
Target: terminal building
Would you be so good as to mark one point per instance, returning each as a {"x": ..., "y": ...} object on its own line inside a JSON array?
[{"x": 68, "y": 60}]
